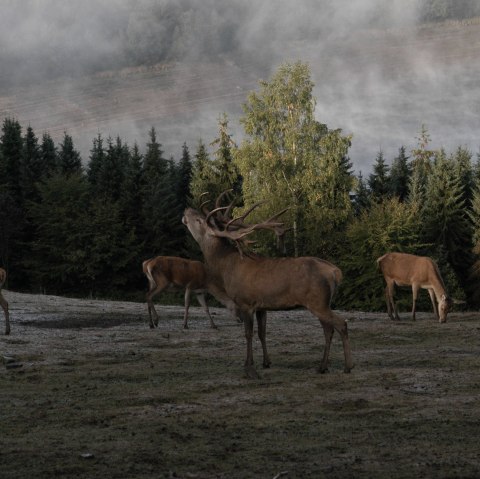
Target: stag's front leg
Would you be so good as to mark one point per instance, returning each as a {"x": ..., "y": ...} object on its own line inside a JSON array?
[
  {"x": 248, "y": 324},
  {"x": 262, "y": 334},
  {"x": 187, "y": 306}
]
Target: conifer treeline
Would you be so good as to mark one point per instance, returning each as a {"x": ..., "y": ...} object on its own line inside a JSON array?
[
  {"x": 73, "y": 229},
  {"x": 85, "y": 230}
]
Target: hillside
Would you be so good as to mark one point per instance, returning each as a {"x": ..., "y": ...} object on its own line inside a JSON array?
[{"x": 378, "y": 85}]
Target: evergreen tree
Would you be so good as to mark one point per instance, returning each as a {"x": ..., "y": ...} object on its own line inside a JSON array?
[
  {"x": 111, "y": 171},
  {"x": 69, "y": 160},
  {"x": 12, "y": 214},
  {"x": 361, "y": 200},
  {"x": 164, "y": 232},
  {"x": 59, "y": 256},
  {"x": 387, "y": 226},
  {"x": 97, "y": 157},
  {"x": 32, "y": 167},
  {"x": 474, "y": 214},
  {"x": 462, "y": 160},
  {"x": 48, "y": 157},
  {"x": 202, "y": 177},
  {"x": 11, "y": 152},
  {"x": 225, "y": 172},
  {"x": 400, "y": 173},
  {"x": 444, "y": 217},
  {"x": 422, "y": 158},
  {"x": 184, "y": 178},
  {"x": 378, "y": 180},
  {"x": 327, "y": 193},
  {"x": 154, "y": 164},
  {"x": 131, "y": 199},
  {"x": 112, "y": 249}
]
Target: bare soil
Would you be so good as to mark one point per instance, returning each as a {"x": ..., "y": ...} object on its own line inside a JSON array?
[{"x": 88, "y": 390}]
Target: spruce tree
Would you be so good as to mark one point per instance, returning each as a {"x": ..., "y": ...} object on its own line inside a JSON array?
[
  {"x": 69, "y": 160},
  {"x": 48, "y": 155},
  {"x": 184, "y": 177},
  {"x": 111, "y": 171},
  {"x": 11, "y": 152},
  {"x": 164, "y": 232},
  {"x": 225, "y": 172},
  {"x": 202, "y": 177},
  {"x": 444, "y": 217},
  {"x": 12, "y": 214},
  {"x": 361, "y": 200},
  {"x": 378, "y": 180},
  {"x": 400, "y": 173},
  {"x": 97, "y": 157},
  {"x": 462, "y": 159},
  {"x": 32, "y": 168}
]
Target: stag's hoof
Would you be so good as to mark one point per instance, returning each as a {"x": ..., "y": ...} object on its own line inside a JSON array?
[
  {"x": 347, "y": 370},
  {"x": 251, "y": 372},
  {"x": 267, "y": 365},
  {"x": 7, "y": 332},
  {"x": 185, "y": 326},
  {"x": 322, "y": 370},
  {"x": 214, "y": 326}
]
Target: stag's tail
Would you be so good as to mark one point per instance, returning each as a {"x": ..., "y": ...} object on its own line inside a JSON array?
[
  {"x": 3, "y": 277},
  {"x": 147, "y": 270}
]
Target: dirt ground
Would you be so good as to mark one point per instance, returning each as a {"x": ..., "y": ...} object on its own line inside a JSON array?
[{"x": 88, "y": 390}]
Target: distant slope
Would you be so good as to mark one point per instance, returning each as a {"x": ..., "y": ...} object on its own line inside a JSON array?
[{"x": 368, "y": 84}]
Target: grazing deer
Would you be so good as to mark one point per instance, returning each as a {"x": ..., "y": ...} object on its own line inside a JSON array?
[
  {"x": 176, "y": 274},
  {"x": 3, "y": 301},
  {"x": 403, "y": 269},
  {"x": 258, "y": 284}
]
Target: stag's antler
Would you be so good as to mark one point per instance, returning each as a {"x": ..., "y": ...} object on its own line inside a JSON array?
[{"x": 235, "y": 229}]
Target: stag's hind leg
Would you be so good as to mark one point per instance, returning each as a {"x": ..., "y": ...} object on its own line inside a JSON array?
[
  {"x": 250, "y": 370},
  {"x": 262, "y": 334},
  {"x": 4, "y": 304}
]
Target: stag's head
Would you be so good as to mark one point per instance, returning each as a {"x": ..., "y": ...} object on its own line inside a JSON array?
[
  {"x": 444, "y": 306},
  {"x": 219, "y": 223}
]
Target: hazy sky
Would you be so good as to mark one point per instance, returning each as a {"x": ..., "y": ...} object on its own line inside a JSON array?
[{"x": 375, "y": 75}]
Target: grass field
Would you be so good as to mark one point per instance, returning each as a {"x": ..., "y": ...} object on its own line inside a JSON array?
[{"x": 88, "y": 390}]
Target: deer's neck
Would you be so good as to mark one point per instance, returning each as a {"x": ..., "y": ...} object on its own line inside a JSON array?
[{"x": 438, "y": 289}]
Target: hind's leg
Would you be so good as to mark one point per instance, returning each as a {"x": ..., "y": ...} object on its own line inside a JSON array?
[
  {"x": 4, "y": 304},
  {"x": 152, "y": 312},
  {"x": 328, "y": 330}
]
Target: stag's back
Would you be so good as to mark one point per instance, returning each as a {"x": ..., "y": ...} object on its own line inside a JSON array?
[{"x": 281, "y": 283}]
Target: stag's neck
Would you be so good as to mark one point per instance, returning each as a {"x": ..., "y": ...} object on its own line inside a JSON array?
[{"x": 219, "y": 255}]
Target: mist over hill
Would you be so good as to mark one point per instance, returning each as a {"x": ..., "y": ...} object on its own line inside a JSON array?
[{"x": 120, "y": 67}]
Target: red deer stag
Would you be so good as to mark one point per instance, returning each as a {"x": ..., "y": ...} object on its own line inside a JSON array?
[
  {"x": 257, "y": 284},
  {"x": 3, "y": 301},
  {"x": 176, "y": 274},
  {"x": 403, "y": 269}
]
